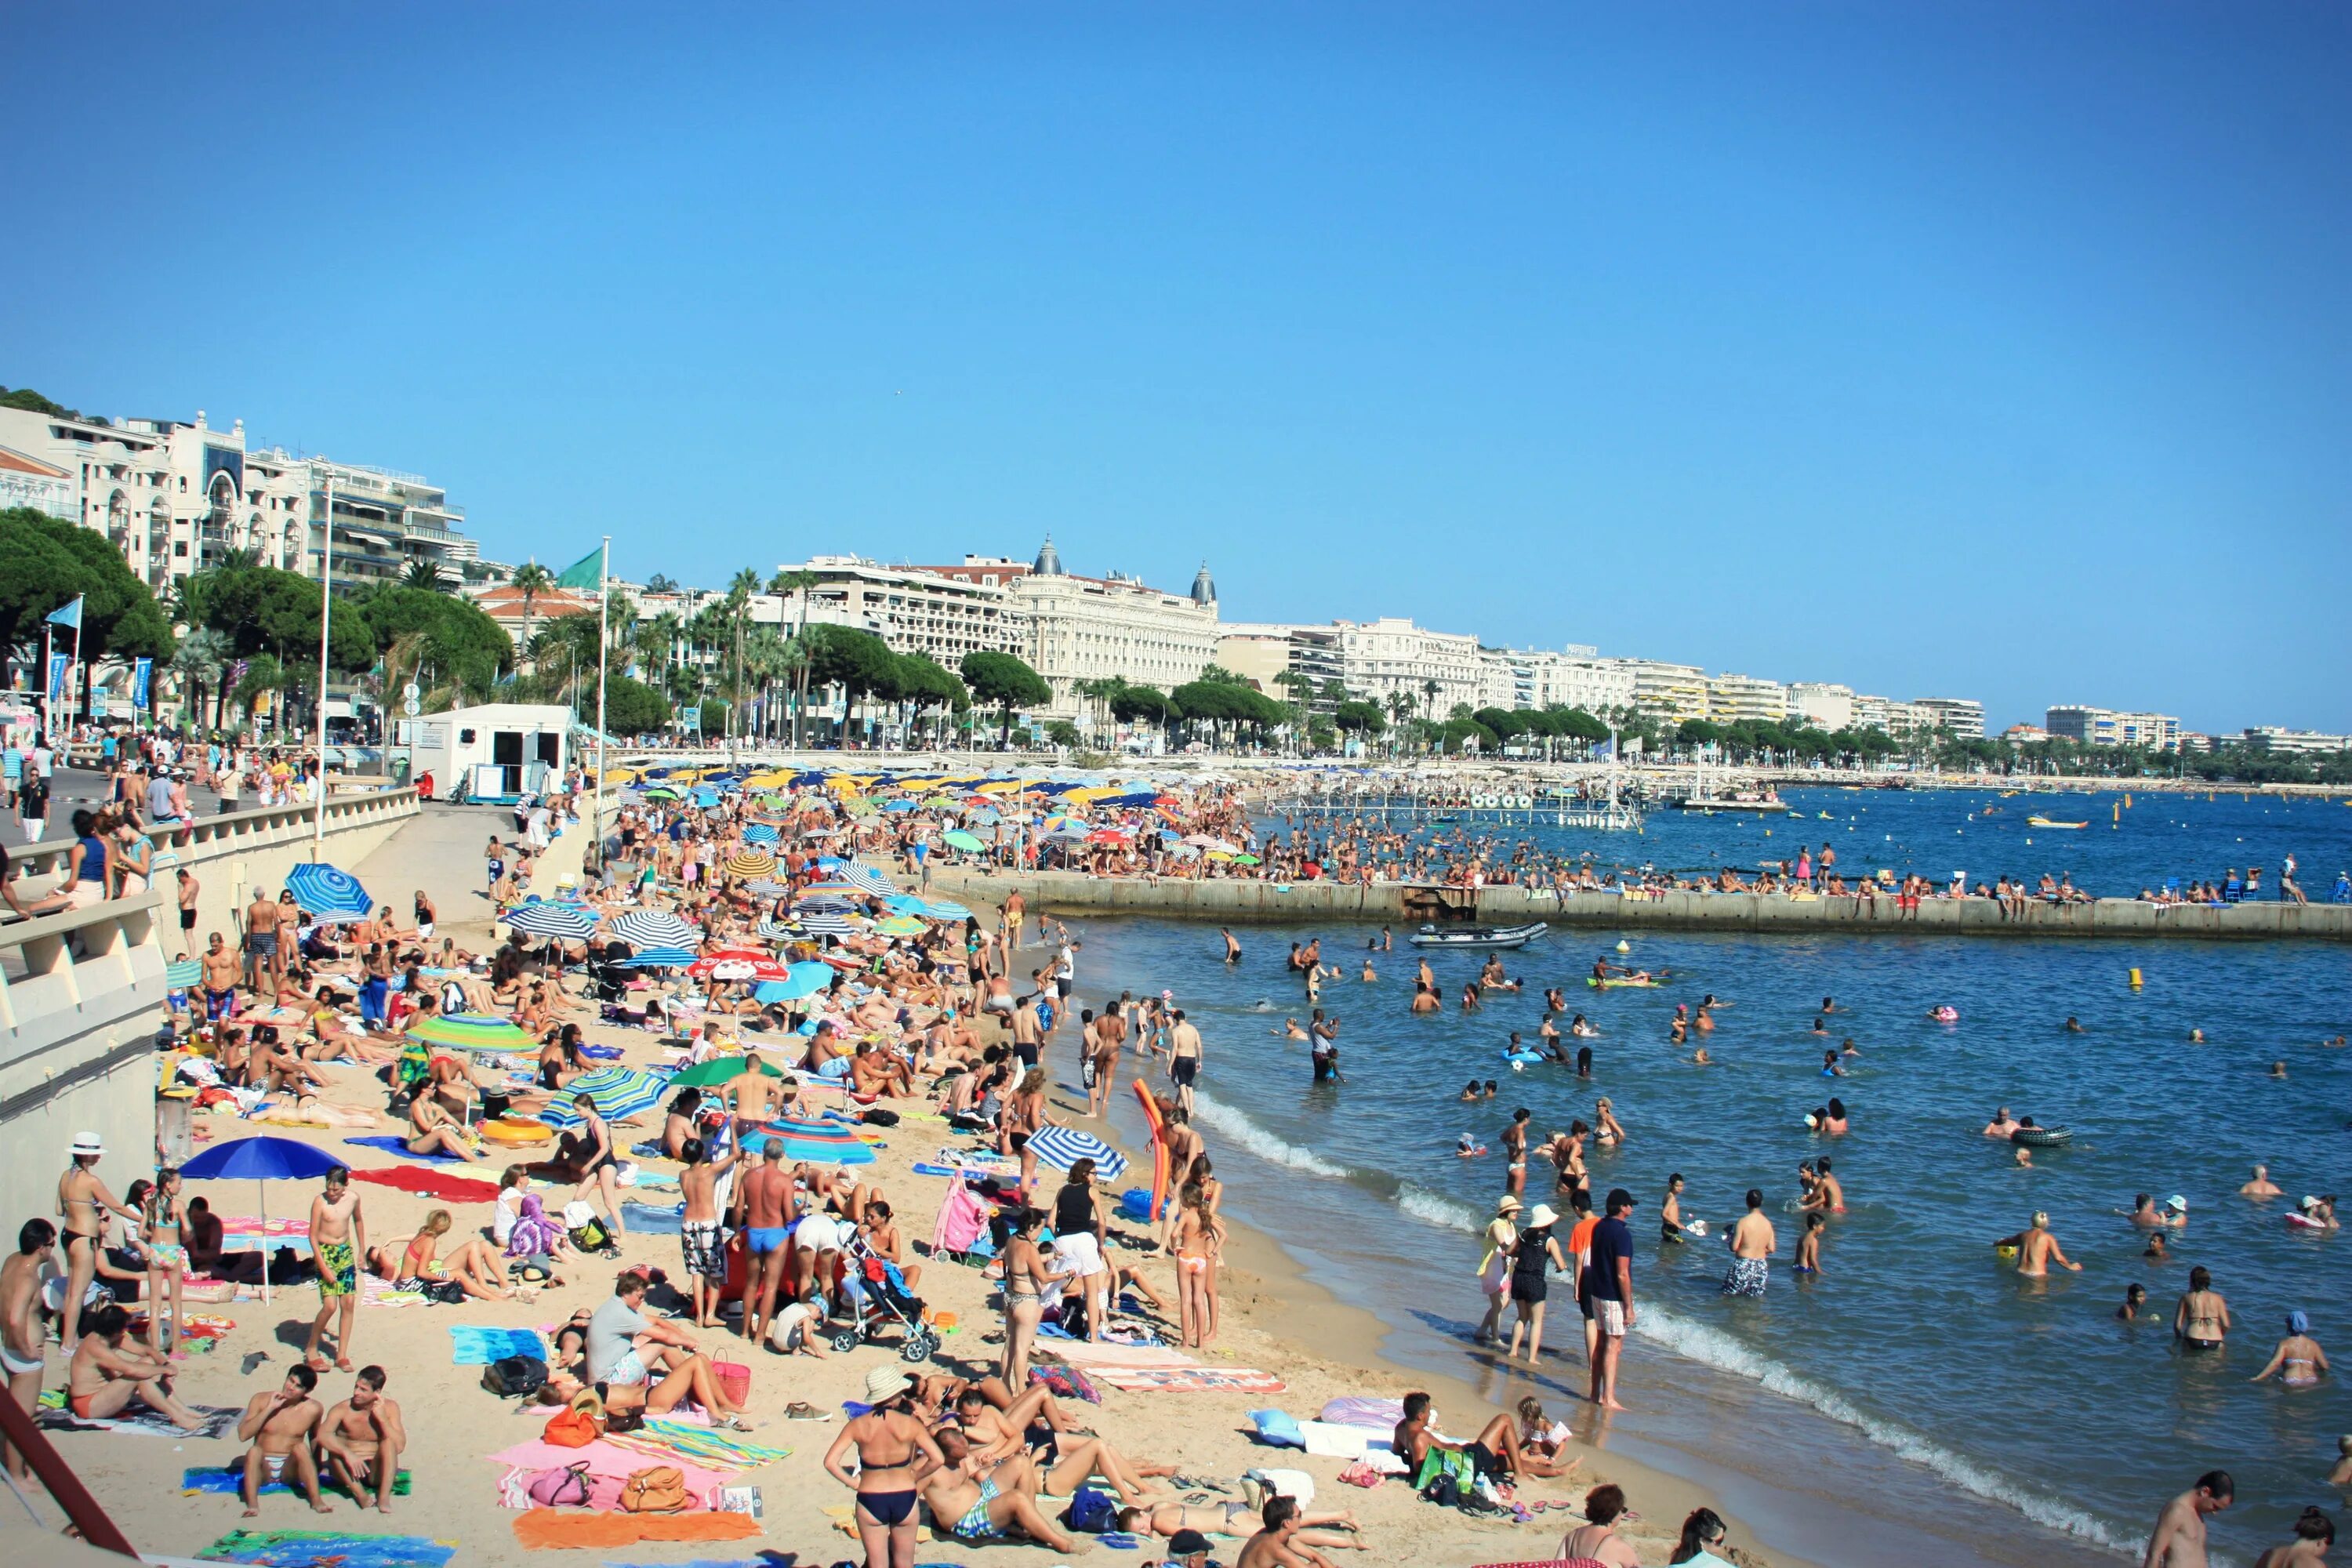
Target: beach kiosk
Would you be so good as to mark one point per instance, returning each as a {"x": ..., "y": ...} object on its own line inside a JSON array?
[{"x": 496, "y": 752}]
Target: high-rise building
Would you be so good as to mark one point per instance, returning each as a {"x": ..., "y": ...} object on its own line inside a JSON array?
[
  {"x": 1745, "y": 699},
  {"x": 2295, "y": 742},
  {"x": 1670, "y": 690},
  {"x": 1962, "y": 717},
  {"x": 1514, "y": 678},
  {"x": 914, "y": 609},
  {"x": 2108, "y": 727},
  {"x": 1822, "y": 704},
  {"x": 176, "y": 496},
  {"x": 1392, "y": 656},
  {"x": 1262, "y": 652}
]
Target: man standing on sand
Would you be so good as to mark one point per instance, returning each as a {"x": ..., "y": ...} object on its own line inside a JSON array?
[
  {"x": 221, "y": 969},
  {"x": 750, "y": 1097},
  {"x": 767, "y": 1199},
  {"x": 701, "y": 1240},
  {"x": 2179, "y": 1541},
  {"x": 1613, "y": 1294},
  {"x": 363, "y": 1438},
  {"x": 279, "y": 1424},
  {"x": 1753, "y": 1244},
  {"x": 337, "y": 1241},
  {"x": 22, "y": 1340},
  {"x": 262, "y": 954}
]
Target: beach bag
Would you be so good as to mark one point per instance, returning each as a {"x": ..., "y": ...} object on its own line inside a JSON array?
[
  {"x": 1092, "y": 1511},
  {"x": 659, "y": 1489},
  {"x": 566, "y": 1487},
  {"x": 577, "y": 1425},
  {"x": 447, "y": 1292},
  {"x": 585, "y": 1228},
  {"x": 515, "y": 1377},
  {"x": 879, "y": 1117},
  {"x": 1446, "y": 1477}
]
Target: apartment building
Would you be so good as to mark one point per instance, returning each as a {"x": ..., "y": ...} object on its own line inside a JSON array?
[
  {"x": 2092, "y": 726},
  {"x": 1745, "y": 699},
  {"x": 1392, "y": 655}
]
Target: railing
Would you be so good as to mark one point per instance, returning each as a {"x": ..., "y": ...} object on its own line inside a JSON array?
[{"x": 211, "y": 837}]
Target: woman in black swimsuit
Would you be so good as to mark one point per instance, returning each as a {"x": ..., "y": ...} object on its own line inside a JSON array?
[
  {"x": 887, "y": 1438},
  {"x": 1536, "y": 1251}
]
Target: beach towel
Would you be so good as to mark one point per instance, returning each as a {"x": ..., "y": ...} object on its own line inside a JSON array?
[
  {"x": 54, "y": 1417},
  {"x": 1377, "y": 1414},
  {"x": 1099, "y": 1353},
  {"x": 645, "y": 1219},
  {"x": 304, "y": 1548},
  {"x": 1332, "y": 1441},
  {"x": 223, "y": 1480},
  {"x": 392, "y": 1145},
  {"x": 471, "y": 1346},
  {"x": 426, "y": 1182},
  {"x": 663, "y": 1438},
  {"x": 603, "y": 1459},
  {"x": 558, "y": 1528},
  {"x": 1188, "y": 1380}
]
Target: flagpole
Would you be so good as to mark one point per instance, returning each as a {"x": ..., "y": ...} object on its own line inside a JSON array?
[
  {"x": 326, "y": 625},
  {"x": 48, "y": 681},
  {"x": 604, "y": 630}
]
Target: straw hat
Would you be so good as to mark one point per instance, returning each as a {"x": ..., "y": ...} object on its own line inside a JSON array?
[
  {"x": 1541, "y": 1217},
  {"x": 1509, "y": 1204},
  {"x": 885, "y": 1383}
]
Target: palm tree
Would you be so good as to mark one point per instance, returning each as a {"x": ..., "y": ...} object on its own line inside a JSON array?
[
  {"x": 660, "y": 583},
  {"x": 657, "y": 641},
  {"x": 1300, "y": 688},
  {"x": 800, "y": 583},
  {"x": 530, "y": 580},
  {"x": 740, "y": 589},
  {"x": 422, "y": 573},
  {"x": 197, "y": 662},
  {"x": 1400, "y": 707},
  {"x": 1429, "y": 690}
]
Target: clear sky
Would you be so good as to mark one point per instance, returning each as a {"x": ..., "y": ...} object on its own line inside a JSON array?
[{"x": 1975, "y": 349}]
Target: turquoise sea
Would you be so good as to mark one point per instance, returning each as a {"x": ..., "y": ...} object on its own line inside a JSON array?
[{"x": 1870, "y": 1414}]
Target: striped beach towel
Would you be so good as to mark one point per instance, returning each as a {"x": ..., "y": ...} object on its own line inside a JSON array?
[
  {"x": 1187, "y": 1379},
  {"x": 709, "y": 1446}
]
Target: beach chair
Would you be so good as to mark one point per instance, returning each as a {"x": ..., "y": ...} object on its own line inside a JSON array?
[{"x": 2233, "y": 891}]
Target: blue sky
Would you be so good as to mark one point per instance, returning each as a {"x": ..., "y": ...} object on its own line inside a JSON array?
[{"x": 1971, "y": 349}]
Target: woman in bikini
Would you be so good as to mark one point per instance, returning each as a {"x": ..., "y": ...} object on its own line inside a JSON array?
[
  {"x": 888, "y": 1439},
  {"x": 1027, "y": 1282},
  {"x": 433, "y": 1132},
  {"x": 1199, "y": 1236},
  {"x": 2201, "y": 1321},
  {"x": 2298, "y": 1361},
  {"x": 1596, "y": 1545},
  {"x": 474, "y": 1266},
  {"x": 162, "y": 1219}
]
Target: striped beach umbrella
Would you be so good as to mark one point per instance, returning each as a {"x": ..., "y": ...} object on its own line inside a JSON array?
[
  {"x": 1062, "y": 1147},
  {"x": 827, "y": 925},
  {"x": 661, "y": 958},
  {"x": 868, "y": 879},
  {"x": 833, "y": 901},
  {"x": 473, "y": 1032},
  {"x": 330, "y": 892},
  {"x": 780, "y": 930},
  {"x": 768, "y": 887},
  {"x": 818, "y": 1143},
  {"x": 763, "y": 832},
  {"x": 654, "y": 928},
  {"x": 617, "y": 1092},
  {"x": 181, "y": 975},
  {"x": 568, "y": 921},
  {"x": 751, "y": 863}
]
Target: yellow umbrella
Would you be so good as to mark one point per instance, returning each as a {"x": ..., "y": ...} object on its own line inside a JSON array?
[
  {"x": 998, "y": 786},
  {"x": 768, "y": 781},
  {"x": 751, "y": 863},
  {"x": 620, "y": 775}
]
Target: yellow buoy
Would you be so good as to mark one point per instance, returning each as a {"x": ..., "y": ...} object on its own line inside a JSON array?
[
  {"x": 1624, "y": 946},
  {"x": 2135, "y": 979}
]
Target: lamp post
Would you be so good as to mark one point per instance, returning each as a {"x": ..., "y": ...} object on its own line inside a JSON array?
[{"x": 326, "y": 629}]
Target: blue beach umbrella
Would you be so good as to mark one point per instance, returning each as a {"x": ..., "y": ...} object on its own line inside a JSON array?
[
  {"x": 1062, "y": 1147},
  {"x": 329, "y": 892},
  {"x": 762, "y": 833},
  {"x": 661, "y": 958},
  {"x": 260, "y": 1160},
  {"x": 867, "y": 880},
  {"x": 568, "y": 921}
]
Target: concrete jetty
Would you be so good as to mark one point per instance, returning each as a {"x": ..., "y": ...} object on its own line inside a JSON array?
[{"x": 1405, "y": 903}]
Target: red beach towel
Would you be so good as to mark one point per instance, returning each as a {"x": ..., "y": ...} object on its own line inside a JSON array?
[{"x": 427, "y": 1183}]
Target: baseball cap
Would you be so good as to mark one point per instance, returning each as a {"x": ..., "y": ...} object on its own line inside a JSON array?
[{"x": 1187, "y": 1544}]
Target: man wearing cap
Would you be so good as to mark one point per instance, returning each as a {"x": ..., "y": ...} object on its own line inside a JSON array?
[{"x": 1187, "y": 1549}]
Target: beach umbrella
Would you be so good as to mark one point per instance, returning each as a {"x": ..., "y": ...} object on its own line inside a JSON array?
[
  {"x": 1062, "y": 1147},
  {"x": 800, "y": 980},
  {"x": 900, "y": 925},
  {"x": 260, "y": 1160},
  {"x": 181, "y": 975},
  {"x": 654, "y": 928},
  {"x": 661, "y": 792},
  {"x": 749, "y": 863},
  {"x": 473, "y": 1032},
  {"x": 822, "y": 901},
  {"x": 661, "y": 958},
  {"x": 717, "y": 1070},
  {"x": 762, "y": 833},
  {"x": 956, "y": 838},
  {"x": 540, "y": 918},
  {"x": 899, "y": 803},
  {"x": 328, "y": 891},
  {"x": 867, "y": 880},
  {"x": 779, "y": 930},
  {"x": 618, "y": 1093},
  {"x": 706, "y": 798},
  {"x": 737, "y": 966},
  {"x": 1108, "y": 836},
  {"x": 1244, "y": 860},
  {"x": 818, "y": 1143},
  {"x": 1203, "y": 841},
  {"x": 945, "y": 909},
  {"x": 827, "y": 925}
]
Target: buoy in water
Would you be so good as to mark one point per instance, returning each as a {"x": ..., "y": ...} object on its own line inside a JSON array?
[
  {"x": 2135, "y": 979},
  {"x": 1624, "y": 946}
]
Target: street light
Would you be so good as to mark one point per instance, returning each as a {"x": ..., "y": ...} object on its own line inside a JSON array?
[{"x": 326, "y": 627}]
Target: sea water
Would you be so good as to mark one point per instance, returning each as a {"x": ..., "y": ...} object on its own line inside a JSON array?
[{"x": 1870, "y": 1414}]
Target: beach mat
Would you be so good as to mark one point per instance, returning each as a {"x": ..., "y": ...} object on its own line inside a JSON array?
[
  {"x": 224, "y": 1479},
  {"x": 426, "y": 1182},
  {"x": 709, "y": 1446},
  {"x": 1187, "y": 1379},
  {"x": 1092, "y": 1354},
  {"x": 547, "y": 1528},
  {"x": 645, "y": 1219},
  {"x": 323, "y": 1548},
  {"x": 390, "y": 1144},
  {"x": 603, "y": 1459},
  {"x": 471, "y": 1346},
  {"x": 219, "y": 1422}
]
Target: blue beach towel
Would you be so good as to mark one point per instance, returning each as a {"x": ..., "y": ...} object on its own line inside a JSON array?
[
  {"x": 392, "y": 1145},
  {"x": 473, "y": 1345},
  {"x": 224, "y": 1481},
  {"x": 304, "y": 1548}
]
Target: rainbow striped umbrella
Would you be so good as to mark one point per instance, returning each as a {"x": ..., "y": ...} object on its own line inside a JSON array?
[
  {"x": 819, "y": 1143},
  {"x": 474, "y": 1032},
  {"x": 618, "y": 1092}
]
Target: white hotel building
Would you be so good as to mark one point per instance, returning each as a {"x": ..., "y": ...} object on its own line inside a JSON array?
[{"x": 1391, "y": 655}]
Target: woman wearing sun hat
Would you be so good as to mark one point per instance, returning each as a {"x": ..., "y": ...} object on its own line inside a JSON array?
[
  {"x": 888, "y": 1438},
  {"x": 1495, "y": 1268},
  {"x": 1536, "y": 1251}
]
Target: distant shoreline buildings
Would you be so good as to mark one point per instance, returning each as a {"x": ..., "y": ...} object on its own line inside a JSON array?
[{"x": 176, "y": 496}]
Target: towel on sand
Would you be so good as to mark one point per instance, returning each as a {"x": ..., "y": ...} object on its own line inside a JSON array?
[
  {"x": 677, "y": 1441},
  {"x": 1187, "y": 1379},
  {"x": 427, "y": 1183},
  {"x": 303, "y": 1547},
  {"x": 603, "y": 1457},
  {"x": 392, "y": 1145},
  {"x": 1089, "y": 1353},
  {"x": 548, "y": 1527},
  {"x": 225, "y": 1478},
  {"x": 219, "y": 1422},
  {"x": 472, "y": 1345}
]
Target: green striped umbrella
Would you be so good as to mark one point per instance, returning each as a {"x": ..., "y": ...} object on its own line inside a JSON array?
[{"x": 181, "y": 975}]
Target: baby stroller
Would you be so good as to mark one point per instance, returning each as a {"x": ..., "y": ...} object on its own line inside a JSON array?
[
  {"x": 879, "y": 1297},
  {"x": 610, "y": 972}
]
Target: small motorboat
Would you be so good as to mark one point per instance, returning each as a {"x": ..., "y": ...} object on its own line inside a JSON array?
[
  {"x": 1476, "y": 936},
  {"x": 2046, "y": 822}
]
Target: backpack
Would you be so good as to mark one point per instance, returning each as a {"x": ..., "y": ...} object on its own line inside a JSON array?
[
  {"x": 447, "y": 1292},
  {"x": 880, "y": 1117},
  {"x": 586, "y": 1230},
  {"x": 515, "y": 1377},
  {"x": 1093, "y": 1510},
  {"x": 659, "y": 1489}
]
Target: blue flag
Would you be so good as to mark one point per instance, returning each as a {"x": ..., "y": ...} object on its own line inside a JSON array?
[
  {"x": 70, "y": 615},
  {"x": 142, "y": 676},
  {"x": 1605, "y": 750},
  {"x": 59, "y": 664}
]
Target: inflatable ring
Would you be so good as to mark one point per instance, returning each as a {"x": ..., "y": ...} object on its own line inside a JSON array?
[{"x": 515, "y": 1131}]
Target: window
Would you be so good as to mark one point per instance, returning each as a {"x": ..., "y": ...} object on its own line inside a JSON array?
[{"x": 179, "y": 547}]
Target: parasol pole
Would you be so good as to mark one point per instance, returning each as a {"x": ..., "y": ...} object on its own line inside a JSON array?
[{"x": 261, "y": 1186}]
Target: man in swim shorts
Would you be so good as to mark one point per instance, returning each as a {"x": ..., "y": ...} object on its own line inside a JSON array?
[
  {"x": 362, "y": 1439},
  {"x": 262, "y": 917},
  {"x": 767, "y": 1197},
  {"x": 1753, "y": 1244},
  {"x": 338, "y": 1240},
  {"x": 279, "y": 1424}
]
